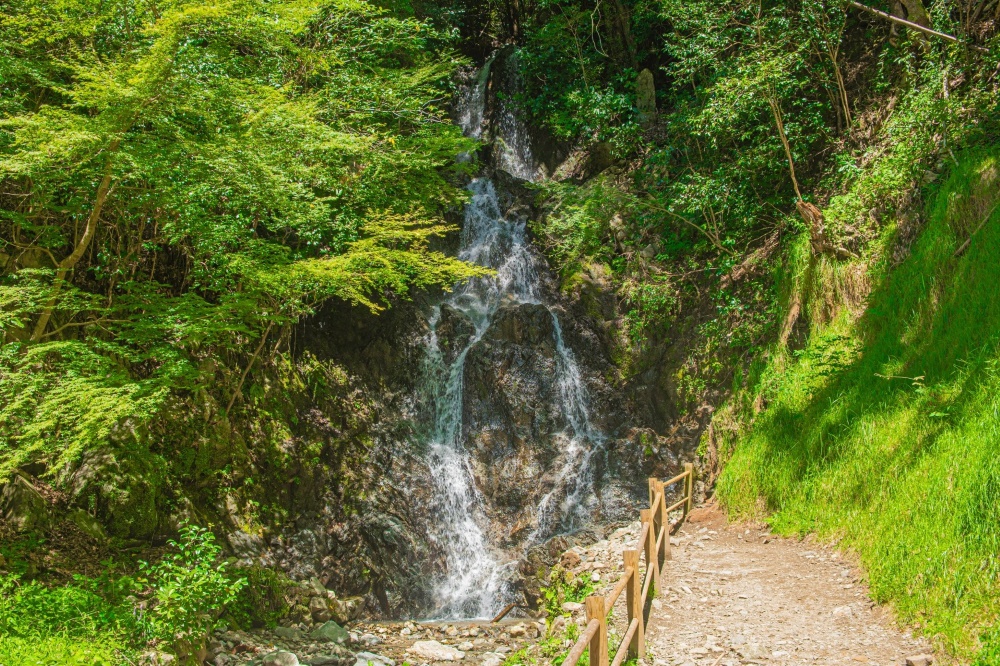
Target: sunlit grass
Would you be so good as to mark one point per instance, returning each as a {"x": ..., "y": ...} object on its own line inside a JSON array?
[
  {"x": 884, "y": 431},
  {"x": 100, "y": 650}
]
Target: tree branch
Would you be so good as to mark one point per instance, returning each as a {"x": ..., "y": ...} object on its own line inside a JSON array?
[
  {"x": 915, "y": 26},
  {"x": 246, "y": 371},
  {"x": 714, "y": 239},
  {"x": 67, "y": 264}
]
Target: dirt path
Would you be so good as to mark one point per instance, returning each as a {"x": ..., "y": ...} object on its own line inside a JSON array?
[{"x": 734, "y": 594}]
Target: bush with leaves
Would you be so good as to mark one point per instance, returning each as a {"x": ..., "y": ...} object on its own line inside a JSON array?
[
  {"x": 191, "y": 588},
  {"x": 564, "y": 586},
  {"x": 184, "y": 180}
]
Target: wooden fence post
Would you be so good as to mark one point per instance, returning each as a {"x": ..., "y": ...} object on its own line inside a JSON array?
[
  {"x": 689, "y": 482},
  {"x": 659, "y": 519},
  {"x": 665, "y": 522},
  {"x": 633, "y": 599},
  {"x": 655, "y": 525},
  {"x": 599, "y": 643},
  {"x": 647, "y": 549}
]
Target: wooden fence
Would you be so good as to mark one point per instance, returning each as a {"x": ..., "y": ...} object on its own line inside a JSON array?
[{"x": 654, "y": 543}]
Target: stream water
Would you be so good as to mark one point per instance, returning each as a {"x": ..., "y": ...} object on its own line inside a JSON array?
[{"x": 477, "y": 582}]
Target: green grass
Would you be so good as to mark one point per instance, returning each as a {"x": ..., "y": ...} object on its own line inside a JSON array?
[
  {"x": 68, "y": 624},
  {"x": 100, "y": 650},
  {"x": 884, "y": 431}
]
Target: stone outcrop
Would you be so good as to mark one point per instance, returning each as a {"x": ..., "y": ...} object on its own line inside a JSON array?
[{"x": 23, "y": 506}]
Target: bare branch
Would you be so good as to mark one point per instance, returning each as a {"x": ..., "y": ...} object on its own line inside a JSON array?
[{"x": 915, "y": 26}]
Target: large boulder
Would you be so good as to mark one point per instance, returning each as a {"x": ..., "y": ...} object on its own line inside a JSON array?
[
  {"x": 434, "y": 651},
  {"x": 645, "y": 98},
  {"x": 330, "y": 632},
  {"x": 87, "y": 524},
  {"x": 331, "y": 655},
  {"x": 290, "y": 633},
  {"x": 320, "y": 609},
  {"x": 280, "y": 658},
  {"x": 348, "y": 609},
  {"x": 126, "y": 488},
  {"x": 23, "y": 506},
  {"x": 372, "y": 659}
]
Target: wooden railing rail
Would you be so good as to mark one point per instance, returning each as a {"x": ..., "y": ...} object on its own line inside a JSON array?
[{"x": 654, "y": 544}]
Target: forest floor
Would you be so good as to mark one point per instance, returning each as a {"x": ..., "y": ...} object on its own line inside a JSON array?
[{"x": 735, "y": 594}]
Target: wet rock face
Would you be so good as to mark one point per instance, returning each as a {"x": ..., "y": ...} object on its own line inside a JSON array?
[
  {"x": 524, "y": 325},
  {"x": 511, "y": 410},
  {"x": 510, "y": 390},
  {"x": 454, "y": 331},
  {"x": 517, "y": 433}
]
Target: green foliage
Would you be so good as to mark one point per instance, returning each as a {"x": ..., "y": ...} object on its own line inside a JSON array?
[
  {"x": 654, "y": 304},
  {"x": 882, "y": 431},
  {"x": 564, "y": 586},
  {"x": 70, "y": 388},
  {"x": 86, "y": 622},
  {"x": 922, "y": 126},
  {"x": 191, "y": 587},
  {"x": 241, "y": 162},
  {"x": 104, "y": 620},
  {"x": 30, "y": 609},
  {"x": 101, "y": 650},
  {"x": 578, "y": 68},
  {"x": 551, "y": 649},
  {"x": 990, "y": 654},
  {"x": 579, "y": 220},
  {"x": 259, "y": 603}
]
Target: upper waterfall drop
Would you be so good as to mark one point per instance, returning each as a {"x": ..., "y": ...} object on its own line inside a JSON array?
[{"x": 478, "y": 577}]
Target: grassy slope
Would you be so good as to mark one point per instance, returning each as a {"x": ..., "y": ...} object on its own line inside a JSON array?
[{"x": 904, "y": 471}]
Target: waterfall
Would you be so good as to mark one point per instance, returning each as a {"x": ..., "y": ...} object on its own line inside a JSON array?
[
  {"x": 478, "y": 575},
  {"x": 472, "y": 104}
]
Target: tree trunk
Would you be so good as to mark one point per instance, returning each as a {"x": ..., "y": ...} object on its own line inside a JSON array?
[
  {"x": 67, "y": 264},
  {"x": 623, "y": 20},
  {"x": 842, "y": 87},
  {"x": 915, "y": 13}
]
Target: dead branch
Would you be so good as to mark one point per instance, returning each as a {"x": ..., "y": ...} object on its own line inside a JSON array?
[{"x": 915, "y": 26}]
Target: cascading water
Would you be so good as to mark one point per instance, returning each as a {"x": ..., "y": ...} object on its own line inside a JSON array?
[
  {"x": 472, "y": 106},
  {"x": 477, "y": 579}
]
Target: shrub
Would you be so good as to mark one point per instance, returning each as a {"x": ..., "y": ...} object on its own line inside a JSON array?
[
  {"x": 191, "y": 588},
  {"x": 564, "y": 586}
]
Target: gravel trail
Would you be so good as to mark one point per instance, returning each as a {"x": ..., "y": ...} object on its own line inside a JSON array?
[{"x": 736, "y": 594}]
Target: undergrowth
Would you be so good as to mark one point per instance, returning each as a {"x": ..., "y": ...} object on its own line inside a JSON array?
[
  {"x": 172, "y": 605},
  {"x": 563, "y": 587}
]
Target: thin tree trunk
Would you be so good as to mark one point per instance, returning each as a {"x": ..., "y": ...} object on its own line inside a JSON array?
[
  {"x": 246, "y": 370},
  {"x": 67, "y": 264},
  {"x": 834, "y": 54},
  {"x": 919, "y": 28},
  {"x": 772, "y": 100},
  {"x": 623, "y": 26}
]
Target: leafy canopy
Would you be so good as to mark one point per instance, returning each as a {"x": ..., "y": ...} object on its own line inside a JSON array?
[{"x": 182, "y": 178}]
